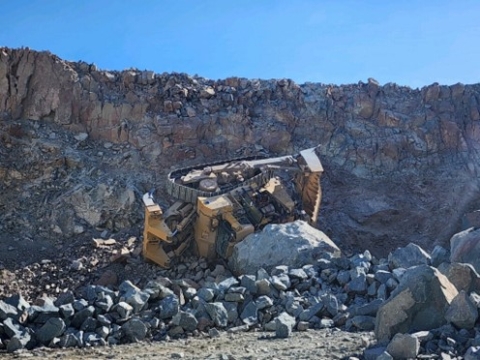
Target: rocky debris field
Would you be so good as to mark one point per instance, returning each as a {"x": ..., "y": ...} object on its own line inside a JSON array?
[
  {"x": 79, "y": 146},
  {"x": 411, "y": 304}
]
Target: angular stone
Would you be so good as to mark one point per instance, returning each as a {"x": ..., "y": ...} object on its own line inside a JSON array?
[
  {"x": 358, "y": 284},
  {"x": 262, "y": 274},
  {"x": 284, "y": 325},
  {"x": 298, "y": 273},
  {"x": 66, "y": 311},
  {"x": 403, "y": 346},
  {"x": 280, "y": 282},
  {"x": 7, "y": 310},
  {"x": 54, "y": 327},
  {"x": 132, "y": 295},
  {"x": 408, "y": 256},
  {"x": 363, "y": 322},
  {"x": 89, "y": 325},
  {"x": 263, "y": 287},
  {"x": 372, "y": 353},
  {"x": 157, "y": 290},
  {"x": 292, "y": 244},
  {"x": 226, "y": 284},
  {"x": 465, "y": 248},
  {"x": 232, "y": 311},
  {"x": 79, "y": 304},
  {"x": 312, "y": 311},
  {"x": 248, "y": 281},
  {"x": 134, "y": 330},
  {"x": 369, "y": 309},
  {"x": 343, "y": 277},
  {"x": 217, "y": 313},
  {"x": 206, "y": 294},
  {"x": 169, "y": 307},
  {"x": 81, "y": 316},
  {"x": 462, "y": 312},
  {"x": 249, "y": 314},
  {"x": 67, "y": 341},
  {"x": 263, "y": 302},
  {"x": 382, "y": 276},
  {"x": 124, "y": 310},
  {"x": 418, "y": 303},
  {"x": 186, "y": 320},
  {"x": 472, "y": 353},
  {"x": 439, "y": 255},
  {"x": 103, "y": 331},
  {"x": 234, "y": 297},
  {"x": 330, "y": 303},
  {"x": 463, "y": 276},
  {"x": 41, "y": 313},
  {"x": 302, "y": 326},
  {"x": 103, "y": 320}
]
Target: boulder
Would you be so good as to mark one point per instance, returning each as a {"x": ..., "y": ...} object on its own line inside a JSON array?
[
  {"x": 134, "y": 330},
  {"x": 133, "y": 296},
  {"x": 465, "y": 248},
  {"x": 462, "y": 312},
  {"x": 284, "y": 325},
  {"x": 81, "y": 316},
  {"x": 217, "y": 313},
  {"x": 408, "y": 256},
  {"x": 293, "y": 244},
  {"x": 169, "y": 306},
  {"x": 185, "y": 320},
  {"x": 439, "y": 255},
  {"x": 404, "y": 346},
  {"x": 249, "y": 314},
  {"x": 54, "y": 327},
  {"x": 463, "y": 276},
  {"x": 418, "y": 303}
]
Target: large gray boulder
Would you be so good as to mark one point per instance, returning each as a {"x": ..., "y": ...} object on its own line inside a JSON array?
[
  {"x": 408, "y": 256},
  {"x": 419, "y": 302},
  {"x": 465, "y": 248},
  {"x": 293, "y": 244}
]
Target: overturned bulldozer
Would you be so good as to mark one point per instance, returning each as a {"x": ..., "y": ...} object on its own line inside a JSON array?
[{"x": 219, "y": 204}]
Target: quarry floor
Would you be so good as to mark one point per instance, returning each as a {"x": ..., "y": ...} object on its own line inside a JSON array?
[{"x": 311, "y": 344}]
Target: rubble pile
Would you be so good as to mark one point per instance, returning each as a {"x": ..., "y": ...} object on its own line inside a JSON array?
[{"x": 415, "y": 302}]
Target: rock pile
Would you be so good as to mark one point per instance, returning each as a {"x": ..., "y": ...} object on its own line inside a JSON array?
[{"x": 413, "y": 307}]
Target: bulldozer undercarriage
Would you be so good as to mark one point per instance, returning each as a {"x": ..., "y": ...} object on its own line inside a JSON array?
[{"x": 219, "y": 204}]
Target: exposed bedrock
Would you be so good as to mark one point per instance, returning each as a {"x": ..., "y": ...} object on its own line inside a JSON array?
[{"x": 401, "y": 165}]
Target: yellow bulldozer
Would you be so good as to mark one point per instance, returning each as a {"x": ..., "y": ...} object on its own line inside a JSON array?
[{"x": 217, "y": 205}]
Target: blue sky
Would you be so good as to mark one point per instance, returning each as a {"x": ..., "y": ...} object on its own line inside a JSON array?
[{"x": 412, "y": 43}]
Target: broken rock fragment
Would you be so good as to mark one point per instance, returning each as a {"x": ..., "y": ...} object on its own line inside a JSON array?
[{"x": 418, "y": 303}]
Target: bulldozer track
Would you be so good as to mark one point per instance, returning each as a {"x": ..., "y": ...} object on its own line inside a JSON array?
[{"x": 190, "y": 194}]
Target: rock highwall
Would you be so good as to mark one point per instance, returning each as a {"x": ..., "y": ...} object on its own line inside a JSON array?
[{"x": 401, "y": 164}]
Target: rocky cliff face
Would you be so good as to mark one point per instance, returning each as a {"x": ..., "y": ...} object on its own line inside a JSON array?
[{"x": 401, "y": 165}]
